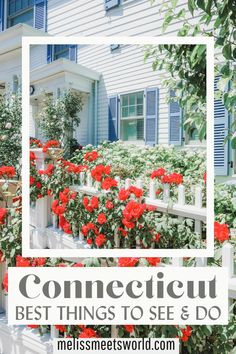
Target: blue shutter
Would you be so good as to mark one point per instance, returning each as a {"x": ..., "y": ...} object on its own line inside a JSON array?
[
  {"x": 175, "y": 122},
  {"x": 151, "y": 120},
  {"x": 110, "y": 4},
  {"x": 40, "y": 14},
  {"x": 49, "y": 53},
  {"x": 113, "y": 118},
  {"x": 73, "y": 53},
  {"x": 1, "y": 15},
  {"x": 221, "y": 149}
]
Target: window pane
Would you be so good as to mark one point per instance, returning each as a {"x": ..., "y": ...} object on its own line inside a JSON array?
[
  {"x": 26, "y": 17},
  {"x": 140, "y": 110},
  {"x": 139, "y": 98},
  {"x": 124, "y": 101},
  {"x": 132, "y": 129},
  {"x": 132, "y": 99},
  {"x": 18, "y": 5},
  {"x": 132, "y": 111},
  {"x": 124, "y": 112},
  {"x": 11, "y": 7}
]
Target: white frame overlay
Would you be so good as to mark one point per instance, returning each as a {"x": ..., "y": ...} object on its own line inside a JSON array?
[{"x": 84, "y": 253}]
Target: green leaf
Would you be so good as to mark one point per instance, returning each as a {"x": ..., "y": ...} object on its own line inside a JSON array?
[
  {"x": 233, "y": 143},
  {"x": 191, "y": 6},
  {"x": 201, "y": 4},
  {"x": 227, "y": 52}
]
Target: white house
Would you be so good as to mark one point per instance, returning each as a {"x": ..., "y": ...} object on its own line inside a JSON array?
[{"x": 123, "y": 97}]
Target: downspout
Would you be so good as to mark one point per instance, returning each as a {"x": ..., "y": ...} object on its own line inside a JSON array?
[{"x": 96, "y": 113}]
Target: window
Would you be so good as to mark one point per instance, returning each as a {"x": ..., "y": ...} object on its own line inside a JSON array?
[
  {"x": 61, "y": 51},
  {"x": 132, "y": 116},
  {"x": 20, "y": 11}
]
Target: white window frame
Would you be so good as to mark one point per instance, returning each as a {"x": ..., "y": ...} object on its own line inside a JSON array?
[{"x": 137, "y": 141}]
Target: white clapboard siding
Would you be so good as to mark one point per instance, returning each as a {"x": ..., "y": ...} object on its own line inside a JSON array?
[{"x": 133, "y": 17}]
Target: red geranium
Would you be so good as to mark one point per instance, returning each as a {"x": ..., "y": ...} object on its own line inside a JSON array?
[
  {"x": 100, "y": 240},
  {"x": 91, "y": 156},
  {"x": 109, "y": 183},
  {"x": 7, "y": 171},
  {"x": 158, "y": 173},
  {"x": 3, "y": 214},
  {"x": 88, "y": 333},
  {"x": 5, "y": 282},
  {"x": 129, "y": 328},
  {"x": 32, "y": 156},
  {"x": 123, "y": 194},
  {"x": 48, "y": 171},
  {"x": 109, "y": 204},
  {"x": 23, "y": 262},
  {"x": 50, "y": 144},
  {"x": 127, "y": 262},
  {"x": 100, "y": 172},
  {"x": 186, "y": 333},
  {"x": 221, "y": 232},
  {"x": 61, "y": 328},
  {"x": 153, "y": 261},
  {"x": 102, "y": 219},
  {"x": 90, "y": 204}
]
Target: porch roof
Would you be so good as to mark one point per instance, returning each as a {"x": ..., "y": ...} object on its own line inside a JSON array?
[
  {"x": 63, "y": 73},
  {"x": 11, "y": 38}
]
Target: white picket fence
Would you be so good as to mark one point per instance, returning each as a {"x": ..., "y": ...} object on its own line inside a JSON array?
[
  {"x": 22, "y": 340},
  {"x": 44, "y": 226}
]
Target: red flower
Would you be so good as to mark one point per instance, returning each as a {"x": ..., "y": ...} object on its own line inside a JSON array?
[
  {"x": 7, "y": 171},
  {"x": 5, "y": 282},
  {"x": 109, "y": 204},
  {"x": 40, "y": 262},
  {"x": 186, "y": 333},
  {"x": 109, "y": 183},
  {"x": 78, "y": 265},
  {"x": 32, "y": 156},
  {"x": 91, "y": 156},
  {"x": 90, "y": 205},
  {"x": 157, "y": 237},
  {"x": 128, "y": 224},
  {"x": 221, "y": 232},
  {"x": 158, "y": 173},
  {"x": 102, "y": 219},
  {"x": 123, "y": 232},
  {"x": 58, "y": 209},
  {"x": 129, "y": 328},
  {"x": 88, "y": 333},
  {"x": 32, "y": 180},
  {"x": 3, "y": 214},
  {"x": 39, "y": 196},
  {"x": 39, "y": 185},
  {"x": 23, "y": 262},
  {"x": 133, "y": 210},
  {"x": 127, "y": 262},
  {"x": 153, "y": 261},
  {"x": 173, "y": 178},
  {"x": 123, "y": 194},
  {"x": 138, "y": 192},
  {"x": 100, "y": 172},
  {"x": 48, "y": 171},
  {"x": 61, "y": 328},
  {"x": 50, "y": 144},
  {"x": 100, "y": 240},
  {"x": 2, "y": 257},
  {"x": 205, "y": 177}
]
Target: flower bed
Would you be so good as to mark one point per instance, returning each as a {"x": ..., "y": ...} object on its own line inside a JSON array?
[{"x": 120, "y": 209}]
